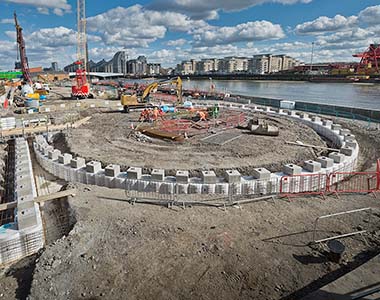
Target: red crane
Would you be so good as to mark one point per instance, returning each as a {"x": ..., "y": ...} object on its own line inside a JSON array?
[
  {"x": 370, "y": 59},
  {"x": 22, "y": 51},
  {"x": 81, "y": 89}
]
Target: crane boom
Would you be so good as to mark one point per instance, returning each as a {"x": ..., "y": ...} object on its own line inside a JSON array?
[{"x": 22, "y": 51}]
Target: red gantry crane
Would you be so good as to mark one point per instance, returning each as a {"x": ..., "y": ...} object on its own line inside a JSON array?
[
  {"x": 370, "y": 59},
  {"x": 82, "y": 89},
  {"x": 22, "y": 52}
]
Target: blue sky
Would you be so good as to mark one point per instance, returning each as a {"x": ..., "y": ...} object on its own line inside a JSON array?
[{"x": 171, "y": 31}]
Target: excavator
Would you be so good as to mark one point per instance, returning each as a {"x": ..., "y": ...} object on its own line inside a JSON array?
[{"x": 133, "y": 102}]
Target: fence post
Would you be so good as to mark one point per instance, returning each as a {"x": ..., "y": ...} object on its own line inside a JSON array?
[{"x": 378, "y": 175}]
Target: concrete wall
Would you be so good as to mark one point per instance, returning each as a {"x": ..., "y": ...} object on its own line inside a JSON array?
[
  {"x": 25, "y": 236},
  {"x": 261, "y": 183}
]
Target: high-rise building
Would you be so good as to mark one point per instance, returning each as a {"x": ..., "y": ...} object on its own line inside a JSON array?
[
  {"x": 233, "y": 64},
  {"x": 54, "y": 66},
  {"x": 268, "y": 63}
]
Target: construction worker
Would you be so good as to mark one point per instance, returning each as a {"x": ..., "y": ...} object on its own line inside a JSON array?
[
  {"x": 161, "y": 114},
  {"x": 155, "y": 114},
  {"x": 143, "y": 115},
  {"x": 202, "y": 116}
]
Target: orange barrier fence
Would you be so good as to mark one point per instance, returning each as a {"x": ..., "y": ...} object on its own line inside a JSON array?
[{"x": 336, "y": 182}]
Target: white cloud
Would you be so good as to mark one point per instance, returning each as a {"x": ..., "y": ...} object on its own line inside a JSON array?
[
  {"x": 6, "y": 21},
  {"x": 370, "y": 15},
  {"x": 324, "y": 24},
  {"x": 43, "y": 10},
  {"x": 137, "y": 27},
  {"x": 200, "y": 9},
  {"x": 59, "y": 7},
  {"x": 246, "y": 32},
  {"x": 176, "y": 43}
]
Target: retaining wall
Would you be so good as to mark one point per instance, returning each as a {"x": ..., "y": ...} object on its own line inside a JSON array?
[
  {"x": 24, "y": 236},
  {"x": 262, "y": 182}
]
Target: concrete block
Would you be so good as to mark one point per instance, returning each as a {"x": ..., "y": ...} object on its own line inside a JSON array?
[
  {"x": 327, "y": 123},
  {"x": 221, "y": 188},
  {"x": 291, "y": 169},
  {"x": 112, "y": 170},
  {"x": 232, "y": 176},
  {"x": 261, "y": 173},
  {"x": 65, "y": 158},
  {"x": 78, "y": 163},
  {"x": 134, "y": 173},
  {"x": 349, "y": 138},
  {"x": 337, "y": 157},
  {"x": 325, "y": 162},
  {"x": 347, "y": 150},
  {"x": 182, "y": 176},
  {"x": 352, "y": 144},
  {"x": 195, "y": 188},
  {"x": 47, "y": 149},
  {"x": 100, "y": 179},
  {"x": 25, "y": 201},
  {"x": 208, "y": 188},
  {"x": 93, "y": 167},
  {"x": 182, "y": 188},
  {"x": 312, "y": 166},
  {"x": 119, "y": 183},
  {"x": 26, "y": 218},
  {"x": 316, "y": 119},
  {"x": 336, "y": 127},
  {"x": 344, "y": 131},
  {"x": 53, "y": 155},
  {"x": 304, "y": 115},
  {"x": 208, "y": 177},
  {"x": 158, "y": 174},
  {"x": 166, "y": 188}
]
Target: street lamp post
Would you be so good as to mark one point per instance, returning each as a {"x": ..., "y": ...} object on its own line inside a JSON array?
[{"x": 311, "y": 58}]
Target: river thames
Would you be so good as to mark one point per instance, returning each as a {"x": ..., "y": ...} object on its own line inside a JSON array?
[{"x": 342, "y": 94}]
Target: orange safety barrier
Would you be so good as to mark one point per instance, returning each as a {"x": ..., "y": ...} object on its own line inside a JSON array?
[
  {"x": 353, "y": 182},
  {"x": 335, "y": 183},
  {"x": 378, "y": 174},
  {"x": 307, "y": 184}
]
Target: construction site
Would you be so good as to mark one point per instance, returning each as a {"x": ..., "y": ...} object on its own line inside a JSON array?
[{"x": 119, "y": 190}]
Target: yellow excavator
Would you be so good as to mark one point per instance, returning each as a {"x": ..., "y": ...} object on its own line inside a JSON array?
[{"x": 133, "y": 102}]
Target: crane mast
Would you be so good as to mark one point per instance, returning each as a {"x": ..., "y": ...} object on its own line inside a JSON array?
[
  {"x": 81, "y": 35},
  {"x": 81, "y": 89},
  {"x": 22, "y": 51}
]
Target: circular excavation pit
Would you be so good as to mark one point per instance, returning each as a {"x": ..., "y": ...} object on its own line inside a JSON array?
[{"x": 110, "y": 139}]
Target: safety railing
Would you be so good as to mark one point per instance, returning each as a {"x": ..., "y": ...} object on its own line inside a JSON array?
[
  {"x": 333, "y": 183},
  {"x": 353, "y": 182},
  {"x": 348, "y": 234}
]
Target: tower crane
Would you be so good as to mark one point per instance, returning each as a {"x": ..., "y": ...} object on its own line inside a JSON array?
[{"x": 81, "y": 89}]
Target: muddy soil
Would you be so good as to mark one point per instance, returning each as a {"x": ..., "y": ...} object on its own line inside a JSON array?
[{"x": 106, "y": 138}]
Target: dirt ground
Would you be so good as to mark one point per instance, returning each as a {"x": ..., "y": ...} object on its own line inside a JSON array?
[
  {"x": 261, "y": 250},
  {"x": 106, "y": 138},
  {"x": 138, "y": 251}
]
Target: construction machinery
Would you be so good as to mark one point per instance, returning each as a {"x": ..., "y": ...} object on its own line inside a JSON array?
[
  {"x": 22, "y": 53},
  {"x": 81, "y": 89},
  {"x": 370, "y": 60},
  {"x": 29, "y": 87},
  {"x": 132, "y": 101}
]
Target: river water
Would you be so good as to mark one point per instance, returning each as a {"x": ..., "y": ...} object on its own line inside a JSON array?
[{"x": 342, "y": 94}]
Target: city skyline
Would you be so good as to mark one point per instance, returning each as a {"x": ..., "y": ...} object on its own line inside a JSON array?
[{"x": 168, "y": 32}]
